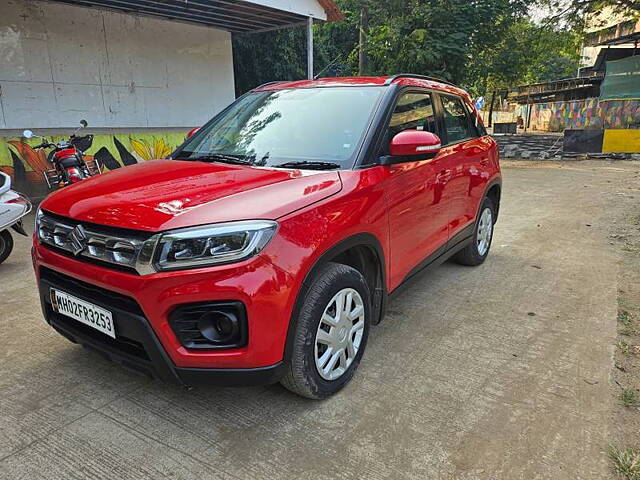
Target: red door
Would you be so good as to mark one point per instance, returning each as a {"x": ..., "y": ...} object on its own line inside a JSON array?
[
  {"x": 417, "y": 213},
  {"x": 465, "y": 158}
]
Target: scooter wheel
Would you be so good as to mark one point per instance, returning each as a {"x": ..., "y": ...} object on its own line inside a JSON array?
[{"x": 6, "y": 245}]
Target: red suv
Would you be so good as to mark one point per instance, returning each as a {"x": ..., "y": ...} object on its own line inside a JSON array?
[{"x": 268, "y": 244}]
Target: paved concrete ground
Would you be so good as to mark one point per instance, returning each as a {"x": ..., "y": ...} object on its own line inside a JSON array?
[{"x": 495, "y": 372}]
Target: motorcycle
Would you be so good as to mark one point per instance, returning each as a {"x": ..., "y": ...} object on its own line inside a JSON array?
[
  {"x": 67, "y": 157},
  {"x": 13, "y": 207}
]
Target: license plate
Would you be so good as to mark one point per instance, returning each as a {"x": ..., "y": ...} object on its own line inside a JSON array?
[{"x": 82, "y": 311}]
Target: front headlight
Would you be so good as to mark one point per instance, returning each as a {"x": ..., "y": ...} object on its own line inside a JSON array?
[
  {"x": 212, "y": 244},
  {"x": 39, "y": 215}
]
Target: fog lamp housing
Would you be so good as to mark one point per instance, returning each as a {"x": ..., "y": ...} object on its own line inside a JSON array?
[{"x": 210, "y": 325}]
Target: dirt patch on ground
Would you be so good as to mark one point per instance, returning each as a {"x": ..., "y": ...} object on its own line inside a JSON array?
[
  {"x": 622, "y": 220},
  {"x": 625, "y": 442}
]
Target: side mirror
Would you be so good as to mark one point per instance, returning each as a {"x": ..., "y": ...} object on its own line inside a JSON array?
[
  {"x": 191, "y": 132},
  {"x": 84, "y": 123},
  {"x": 412, "y": 145},
  {"x": 27, "y": 134}
]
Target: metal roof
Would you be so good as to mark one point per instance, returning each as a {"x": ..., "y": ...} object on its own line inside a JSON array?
[
  {"x": 237, "y": 16},
  {"x": 547, "y": 91}
]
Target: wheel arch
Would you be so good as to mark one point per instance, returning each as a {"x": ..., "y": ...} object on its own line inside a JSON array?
[
  {"x": 363, "y": 252},
  {"x": 492, "y": 191}
]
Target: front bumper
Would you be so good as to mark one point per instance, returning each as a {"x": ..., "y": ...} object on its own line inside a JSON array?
[
  {"x": 141, "y": 306},
  {"x": 136, "y": 346}
]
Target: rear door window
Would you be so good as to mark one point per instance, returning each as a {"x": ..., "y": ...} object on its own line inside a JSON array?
[{"x": 456, "y": 119}]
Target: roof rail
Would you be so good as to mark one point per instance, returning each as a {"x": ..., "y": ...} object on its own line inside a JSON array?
[
  {"x": 389, "y": 80},
  {"x": 267, "y": 84}
]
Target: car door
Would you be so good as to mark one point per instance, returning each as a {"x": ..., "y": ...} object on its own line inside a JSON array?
[
  {"x": 417, "y": 214},
  {"x": 464, "y": 157}
]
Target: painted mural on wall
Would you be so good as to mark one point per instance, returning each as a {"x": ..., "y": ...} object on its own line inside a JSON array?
[
  {"x": 585, "y": 114},
  {"x": 26, "y": 165},
  {"x": 576, "y": 114},
  {"x": 558, "y": 116},
  {"x": 620, "y": 113}
]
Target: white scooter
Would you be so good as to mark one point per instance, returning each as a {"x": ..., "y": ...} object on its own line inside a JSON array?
[{"x": 13, "y": 206}]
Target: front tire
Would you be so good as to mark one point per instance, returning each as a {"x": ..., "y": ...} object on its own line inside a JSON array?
[
  {"x": 6, "y": 245},
  {"x": 330, "y": 333},
  {"x": 476, "y": 252}
]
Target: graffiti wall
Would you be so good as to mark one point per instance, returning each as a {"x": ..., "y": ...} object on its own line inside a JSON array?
[
  {"x": 26, "y": 165},
  {"x": 585, "y": 114},
  {"x": 620, "y": 113},
  {"x": 577, "y": 114}
]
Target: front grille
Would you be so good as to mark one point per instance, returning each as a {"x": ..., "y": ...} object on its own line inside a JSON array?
[
  {"x": 114, "y": 247},
  {"x": 90, "y": 292}
]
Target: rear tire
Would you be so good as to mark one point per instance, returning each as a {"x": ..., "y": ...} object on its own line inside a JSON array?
[
  {"x": 477, "y": 251},
  {"x": 330, "y": 333},
  {"x": 6, "y": 245}
]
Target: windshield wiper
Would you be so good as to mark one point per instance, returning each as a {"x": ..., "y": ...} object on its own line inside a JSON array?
[
  {"x": 220, "y": 157},
  {"x": 311, "y": 165}
]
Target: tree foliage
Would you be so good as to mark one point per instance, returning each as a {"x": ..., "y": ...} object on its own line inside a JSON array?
[
  {"x": 268, "y": 56},
  {"x": 479, "y": 44},
  {"x": 526, "y": 53}
]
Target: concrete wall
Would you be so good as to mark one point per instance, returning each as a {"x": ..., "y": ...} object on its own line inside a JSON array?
[
  {"x": 604, "y": 18},
  {"x": 626, "y": 141},
  {"x": 61, "y": 63}
]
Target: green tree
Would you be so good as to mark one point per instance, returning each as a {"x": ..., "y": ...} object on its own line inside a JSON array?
[
  {"x": 479, "y": 44},
  {"x": 526, "y": 53},
  {"x": 268, "y": 56}
]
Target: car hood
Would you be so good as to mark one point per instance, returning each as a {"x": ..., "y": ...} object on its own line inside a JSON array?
[{"x": 166, "y": 194}]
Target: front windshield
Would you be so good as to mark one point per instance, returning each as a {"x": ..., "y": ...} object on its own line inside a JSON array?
[{"x": 306, "y": 127}]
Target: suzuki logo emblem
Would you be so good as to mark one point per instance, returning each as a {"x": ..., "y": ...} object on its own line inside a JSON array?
[{"x": 77, "y": 238}]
